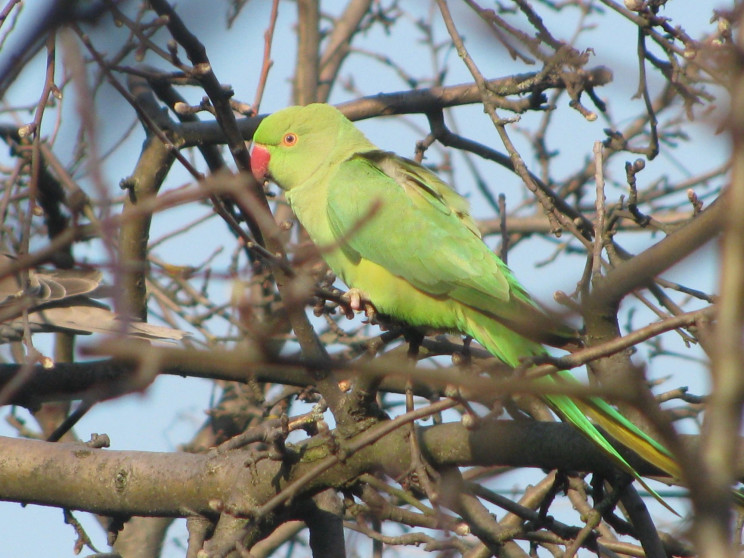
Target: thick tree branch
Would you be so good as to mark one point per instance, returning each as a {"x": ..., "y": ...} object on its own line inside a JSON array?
[
  {"x": 642, "y": 268},
  {"x": 404, "y": 102},
  {"x": 75, "y": 476}
]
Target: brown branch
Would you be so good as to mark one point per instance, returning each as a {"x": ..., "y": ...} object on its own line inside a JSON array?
[
  {"x": 267, "y": 62},
  {"x": 131, "y": 482},
  {"x": 338, "y": 45},
  {"x": 72, "y": 381},
  {"x": 642, "y": 268},
  {"x": 308, "y": 42},
  {"x": 406, "y": 102},
  {"x": 712, "y": 526}
]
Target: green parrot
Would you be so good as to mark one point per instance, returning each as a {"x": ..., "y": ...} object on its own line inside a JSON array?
[{"x": 393, "y": 231}]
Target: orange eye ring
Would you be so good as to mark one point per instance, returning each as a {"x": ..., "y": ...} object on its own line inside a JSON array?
[{"x": 289, "y": 139}]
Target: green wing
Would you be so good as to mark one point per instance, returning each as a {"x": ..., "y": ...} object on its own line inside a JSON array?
[{"x": 419, "y": 229}]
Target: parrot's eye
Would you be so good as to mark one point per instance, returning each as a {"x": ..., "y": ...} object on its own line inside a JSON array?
[{"x": 289, "y": 139}]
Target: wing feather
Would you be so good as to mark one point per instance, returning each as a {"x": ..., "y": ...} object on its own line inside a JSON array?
[{"x": 430, "y": 239}]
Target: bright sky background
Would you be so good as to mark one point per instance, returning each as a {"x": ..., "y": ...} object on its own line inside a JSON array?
[{"x": 173, "y": 408}]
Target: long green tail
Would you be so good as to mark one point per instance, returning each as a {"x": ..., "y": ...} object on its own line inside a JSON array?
[
  {"x": 510, "y": 347},
  {"x": 617, "y": 426}
]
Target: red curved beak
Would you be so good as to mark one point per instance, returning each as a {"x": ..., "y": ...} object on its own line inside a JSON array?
[{"x": 259, "y": 161}]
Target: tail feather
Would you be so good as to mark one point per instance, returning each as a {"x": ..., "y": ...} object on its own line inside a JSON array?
[
  {"x": 625, "y": 432},
  {"x": 573, "y": 412},
  {"x": 510, "y": 347}
]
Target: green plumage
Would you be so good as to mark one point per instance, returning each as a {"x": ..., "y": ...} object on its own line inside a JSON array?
[{"x": 392, "y": 229}]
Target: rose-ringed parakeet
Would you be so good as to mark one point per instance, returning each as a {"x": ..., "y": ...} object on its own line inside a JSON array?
[{"x": 392, "y": 229}]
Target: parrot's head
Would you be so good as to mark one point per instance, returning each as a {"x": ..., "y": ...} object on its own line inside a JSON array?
[{"x": 292, "y": 144}]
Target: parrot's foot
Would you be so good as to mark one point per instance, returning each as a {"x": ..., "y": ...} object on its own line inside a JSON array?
[{"x": 355, "y": 300}]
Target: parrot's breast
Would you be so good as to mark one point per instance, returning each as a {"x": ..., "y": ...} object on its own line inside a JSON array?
[{"x": 396, "y": 297}]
